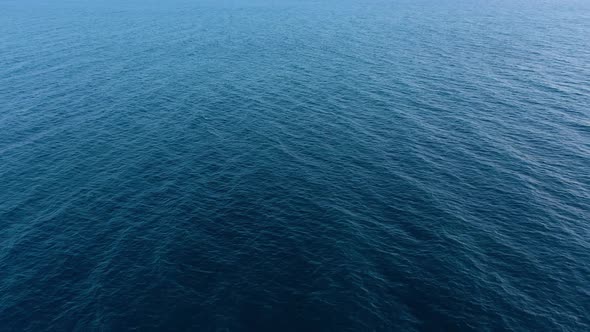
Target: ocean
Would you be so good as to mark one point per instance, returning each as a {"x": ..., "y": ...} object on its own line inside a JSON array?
[{"x": 295, "y": 165}]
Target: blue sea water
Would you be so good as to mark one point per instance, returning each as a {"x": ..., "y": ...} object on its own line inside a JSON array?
[{"x": 295, "y": 165}]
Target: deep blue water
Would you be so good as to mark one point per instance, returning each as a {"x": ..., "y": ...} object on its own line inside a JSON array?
[{"x": 295, "y": 165}]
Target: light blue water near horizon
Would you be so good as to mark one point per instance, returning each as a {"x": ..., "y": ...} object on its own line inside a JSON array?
[{"x": 295, "y": 165}]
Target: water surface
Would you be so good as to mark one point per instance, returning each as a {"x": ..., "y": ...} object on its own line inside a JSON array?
[{"x": 294, "y": 165}]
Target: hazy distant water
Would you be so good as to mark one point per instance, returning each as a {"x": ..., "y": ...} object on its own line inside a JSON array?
[{"x": 295, "y": 165}]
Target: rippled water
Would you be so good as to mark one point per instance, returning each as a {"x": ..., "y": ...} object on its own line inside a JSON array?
[{"x": 295, "y": 165}]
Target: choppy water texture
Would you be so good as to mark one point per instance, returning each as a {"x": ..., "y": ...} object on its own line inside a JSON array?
[{"x": 295, "y": 165}]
